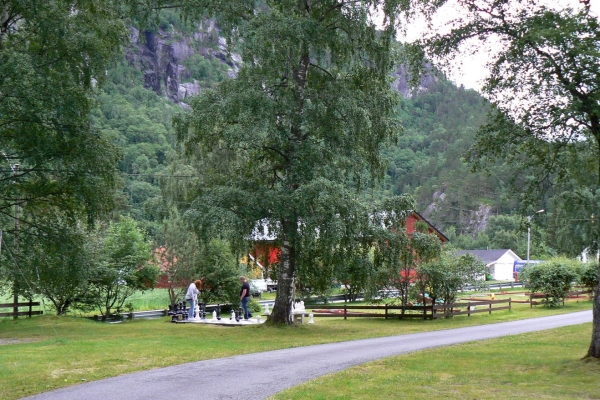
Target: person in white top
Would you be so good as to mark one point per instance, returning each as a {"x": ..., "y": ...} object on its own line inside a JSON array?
[{"x": 192, "y": 296}]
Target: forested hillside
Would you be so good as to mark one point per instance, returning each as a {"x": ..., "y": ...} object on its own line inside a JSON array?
[
  {"x": 172, "y": 61},
  {"x": 164, "y": 64},
  {"x": 440, "y": 126},
  {"x": 141, "y": 141}
]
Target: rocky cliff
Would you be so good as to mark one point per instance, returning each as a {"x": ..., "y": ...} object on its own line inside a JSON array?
[
  {"x": 163, "y": 56},
  {"x": 166, "y": 55},
  {"x": 402, "y": 81}
]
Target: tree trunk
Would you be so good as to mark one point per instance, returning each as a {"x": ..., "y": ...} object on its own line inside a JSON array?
[
  {"x": 594, "y": 350},
  {"x": 282, "y": 310},
  {"x": 172, "y": 295}
]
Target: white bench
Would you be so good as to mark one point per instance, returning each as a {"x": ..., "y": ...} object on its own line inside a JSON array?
[{"x": 300, "y": 314}]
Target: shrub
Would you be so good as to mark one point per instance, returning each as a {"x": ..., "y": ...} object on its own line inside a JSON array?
[
  {"x": 588, "y": 275},
  {"x": 554, "y": 278},
  {"x": 120, "y": 266},
  {"x": 441, "y": 279},
  {"x": 254, "y": 306}
]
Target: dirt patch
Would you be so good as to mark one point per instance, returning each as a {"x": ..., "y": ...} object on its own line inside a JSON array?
[{"x": 15, "y": 341}]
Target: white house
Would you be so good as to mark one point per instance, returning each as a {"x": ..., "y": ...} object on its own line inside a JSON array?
[
  {"x": 500, "y": 263},
  {"x": 587, "y": 256}
]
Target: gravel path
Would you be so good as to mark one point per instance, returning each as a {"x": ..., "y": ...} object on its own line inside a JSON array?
[{"x": 260, "y": 375}]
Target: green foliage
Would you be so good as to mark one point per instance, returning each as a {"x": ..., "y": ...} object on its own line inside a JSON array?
[
  {"x": 554, "y": 278},
  {"x": 56, "y": 264},
  {"x": 304, "y": 119},
  {"x": 53, "y": 54},
  {"x": 444, "y": 277},
  {"x": 427, "y": 161},
  {"x": 219, "y": 271},
  {"x": 121, "y": 266},
  {"x": 207, "y": 71},
  {"x": 398, "y": 256},
  {"x": 550, "y": 62},
  {"x": 139, "y": 122},
  {"x": 588, "y": 275},
  {"x": 254, "y": 306},
  {"x": 507, "y": 232},
  {"x": 574, "y": 220},
  {"x": 545, "y": 89},
  {"x": 178, "y": 255}
]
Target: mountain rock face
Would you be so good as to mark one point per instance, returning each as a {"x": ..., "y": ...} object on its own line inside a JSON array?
[
  {"x": 161, "y": 56},
  {"x": 470, "y": 221},
  {"x": 402, "y": 82}
]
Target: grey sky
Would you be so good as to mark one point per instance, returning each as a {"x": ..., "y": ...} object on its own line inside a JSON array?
[{"x": 469, "y": 68}]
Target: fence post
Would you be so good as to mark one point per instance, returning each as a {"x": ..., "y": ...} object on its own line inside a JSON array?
[
  {"x": 386, "y": 311},
  {"x": 345, "y": 311},
  {"x": 468, "y": 309},
  {"x": 490, "y": 308},
  {"x": 30, "y": 304},
  {"x": 530, "y": 300},
  {"x": 509, "y": 304}
]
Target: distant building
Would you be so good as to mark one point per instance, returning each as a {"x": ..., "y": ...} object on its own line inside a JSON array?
[
  {"x": 266, "y": 252},
  {"x": 500, "y": 263},
  {"x": 411, "y": 226},
  {"x": 585, "y": 256}
]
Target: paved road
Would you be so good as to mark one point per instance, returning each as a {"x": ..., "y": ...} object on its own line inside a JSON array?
[{"x": 259, "y": 375}]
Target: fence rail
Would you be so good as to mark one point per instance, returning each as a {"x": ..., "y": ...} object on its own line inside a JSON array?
[
  {"x": 473, "y": 307},
  {"x": 539, "y": 297},
  {"x": 424, "y": 312},
  {"x": 16, "y": 306}
]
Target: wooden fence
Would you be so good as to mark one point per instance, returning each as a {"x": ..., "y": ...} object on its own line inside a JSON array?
[
  {"x": 16, "y": 306},
  {"x": 573, "y": 294},
  {"x": 425, "y": 312},
  {"x": 472, "y": 307}
]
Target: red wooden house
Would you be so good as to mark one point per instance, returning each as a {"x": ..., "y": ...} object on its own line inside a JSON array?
[
  {"x": 411, "y": 226},
  {"x": 266, "y": 253}
]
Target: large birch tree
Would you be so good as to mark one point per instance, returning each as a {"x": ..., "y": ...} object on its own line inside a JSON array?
[{"x": 290, "y": 141}]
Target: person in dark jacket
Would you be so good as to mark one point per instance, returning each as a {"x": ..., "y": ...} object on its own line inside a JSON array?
[{"x": 245, "y": 296}]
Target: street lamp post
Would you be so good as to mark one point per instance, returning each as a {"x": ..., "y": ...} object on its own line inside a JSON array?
[{"x": 529, "y": 232}]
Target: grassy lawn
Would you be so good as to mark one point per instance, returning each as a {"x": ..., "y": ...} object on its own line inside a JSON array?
[
  {"x": 543, "y": 365},
  {"x": 156, "y": 299},
  {"x": 68, "y": 350}
]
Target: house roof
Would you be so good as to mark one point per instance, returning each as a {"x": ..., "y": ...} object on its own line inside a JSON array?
[
  {"x": 442, "y": 237},
  {"x": 488, "y": 256},
  {"x": 262, "y": 233}
]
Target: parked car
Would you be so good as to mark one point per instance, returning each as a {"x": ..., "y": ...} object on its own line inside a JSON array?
[
  {"x": 271, "y": 285},
  {"x": 257, "y": 287},
  {"x": 262, "y": 285}
]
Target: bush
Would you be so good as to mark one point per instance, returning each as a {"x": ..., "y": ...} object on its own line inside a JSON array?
[
  {"x": 588, "y": 275},
  {"x": 254, "y": 306},
  {"x": 554, "y": 278},
  {"x": 120, "y": 267},
  {"x": 219, "y": 271},
  {"x": 443, "y": 278}
]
